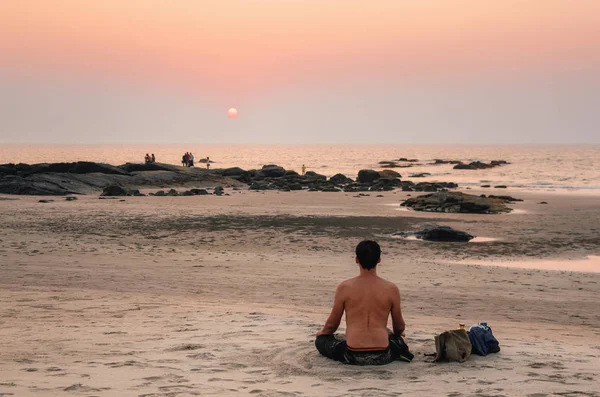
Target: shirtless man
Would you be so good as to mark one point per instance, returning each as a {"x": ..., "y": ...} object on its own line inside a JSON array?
[{"x": 368, "y": 300}]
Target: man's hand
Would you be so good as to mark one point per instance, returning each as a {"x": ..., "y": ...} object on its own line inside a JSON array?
[{"x": 322, "y": 332}]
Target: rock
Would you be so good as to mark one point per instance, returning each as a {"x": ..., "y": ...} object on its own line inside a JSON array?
[
  {"x": 244, "y": 178},
  {"x": 340, "y": 179},
  {"x": 500, "y": 187},
  {"x": 80, "y": 167},
  {"x": 172, "y": 193},
  {"x": 441, "y": 233},
  {"x": 8, "y": 169},
  {"x": 478, "y": 165},
  {"x": 389, "y": 174},
  {"x": 70, "y": 198},
  {"x": 433, "y": 186},
  {"x": 113, "y": 190},
  {"x": 234, "y": 171},
  {"x": 367, "y": 176},
  {"x": 543, "y": 202},
  {"x": 219, "y": 191},
  {"x": 385, "y": 185},
  {"x": 160, "y": 193},
  {"x": 187, "y": 193},
  {"x": 137, "y": 167},
  {"x": 388, "y": 164},
  {"x": 199, "y": 192},
  {"x": 505, "y": 198},
  {"x": 259, "y": 185},
  {"x": 330, "y": 189},
  {"x": 45, "y": 201},
  {"x": 496, "y": 163},
  {"x": 295, "y": 186},
  {"x": 456, "y": 202},
  {"x": 311, "y": 175},
  {"x": 439, "y": 161},
  {"x": 16, "y": 184},
  {"x": 270, "y": 171},
  {"x": 485, "y": 186},
  {"x": 420, "y": 175},
  {"x": 355, "y": 187},
  {"x": 407, "y": 160}
]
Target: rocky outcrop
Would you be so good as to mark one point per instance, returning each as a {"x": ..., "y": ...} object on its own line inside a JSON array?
[
  {"x": 367, "y": 176},
  {"x": 270, "y": 171},
  {"x": 409, "y": 186},
  {"x": 508, "y": 199},
  {"x": 456, "y": 202},
  {"x": 340, "y": 179},
  {"x": 311, "y": 176},
  {"x": 91, "y": 178},
  {"x": 478, "y": 165},
  {"x": 137, "y": 167},
  {"x": 439, "y": 233},
  {"x": 29, "y": 180},
  {"x": 80, "y": 167},
  {"x": 420, "y": 175},
  {"x": 389, "y": 174},
  {"x": 116, "y": 190},
  {"x": 234, "y": 171},
  {"x": 440, "y": 162}
]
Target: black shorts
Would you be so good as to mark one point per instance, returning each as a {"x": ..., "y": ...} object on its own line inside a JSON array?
[{"x": 336, "y": 349}]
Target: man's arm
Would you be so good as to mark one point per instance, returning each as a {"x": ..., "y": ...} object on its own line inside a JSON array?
[
  {"x": 333, "y": 322},
  {"x": 397, "y": 320}
]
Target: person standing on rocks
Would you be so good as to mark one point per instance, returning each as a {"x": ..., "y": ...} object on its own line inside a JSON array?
[
  {"x": 191, "y": 161},
  {"x": 207, "y": 163},
  {"x": 368, "y": 301},
  {"x": 303, "y": 169},
  {"x": 153, "y": 159}
]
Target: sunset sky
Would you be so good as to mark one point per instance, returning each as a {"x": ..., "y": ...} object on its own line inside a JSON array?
[{"x": 300, "y": 71}]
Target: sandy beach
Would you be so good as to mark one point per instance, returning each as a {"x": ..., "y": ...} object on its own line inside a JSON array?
[{"x": 207, "y": 295}]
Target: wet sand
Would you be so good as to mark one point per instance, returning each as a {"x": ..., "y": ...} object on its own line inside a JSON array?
[{"x": 206, "y": 295}]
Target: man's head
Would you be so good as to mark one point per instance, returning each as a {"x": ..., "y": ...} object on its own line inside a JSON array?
[{"x": 368, "y": 254}]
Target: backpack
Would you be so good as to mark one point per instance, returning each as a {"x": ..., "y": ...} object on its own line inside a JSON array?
[
  {"x": 482, "y": 340},
  {"x": 453, "y": 346}
]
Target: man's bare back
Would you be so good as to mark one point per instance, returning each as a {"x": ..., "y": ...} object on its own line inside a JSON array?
[{"x": 367, "y": 300}]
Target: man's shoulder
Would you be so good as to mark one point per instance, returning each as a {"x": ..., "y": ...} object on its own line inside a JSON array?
[
  {"x": 347, "y": 283},
  {"x": 389, "y": 285}
]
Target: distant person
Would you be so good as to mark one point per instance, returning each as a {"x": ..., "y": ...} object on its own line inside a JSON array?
[
  {"x": 208, "y": 163},
  {"x": 183, "y": 161},
  {"x": 368, "y": 300},
  {"x": 191, "y": 161},
  {"x": 147, "y": 158},
  {"x": 303, "y": 169},
  {"x": 153, "y": 159}
]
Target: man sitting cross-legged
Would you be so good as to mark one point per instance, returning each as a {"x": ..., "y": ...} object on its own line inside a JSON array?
[{"x": 367, "y": 300}]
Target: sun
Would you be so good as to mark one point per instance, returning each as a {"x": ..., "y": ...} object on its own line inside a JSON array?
[{"x": 232, "y": 113}]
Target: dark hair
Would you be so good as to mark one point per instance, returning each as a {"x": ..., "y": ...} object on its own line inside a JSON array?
[{"x": 368, "y": 253}]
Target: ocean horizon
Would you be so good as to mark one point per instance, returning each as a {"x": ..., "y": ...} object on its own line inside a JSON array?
[{"x": 564, "y": 167}]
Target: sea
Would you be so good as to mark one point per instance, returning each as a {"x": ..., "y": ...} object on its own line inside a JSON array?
[{"x": 545, "y": 167}]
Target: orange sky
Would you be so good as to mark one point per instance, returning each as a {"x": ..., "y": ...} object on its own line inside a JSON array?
[{"x": 248, "y": 45}]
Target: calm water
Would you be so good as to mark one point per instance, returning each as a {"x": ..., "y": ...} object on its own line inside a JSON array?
[{"x": 537, "y": 167}]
